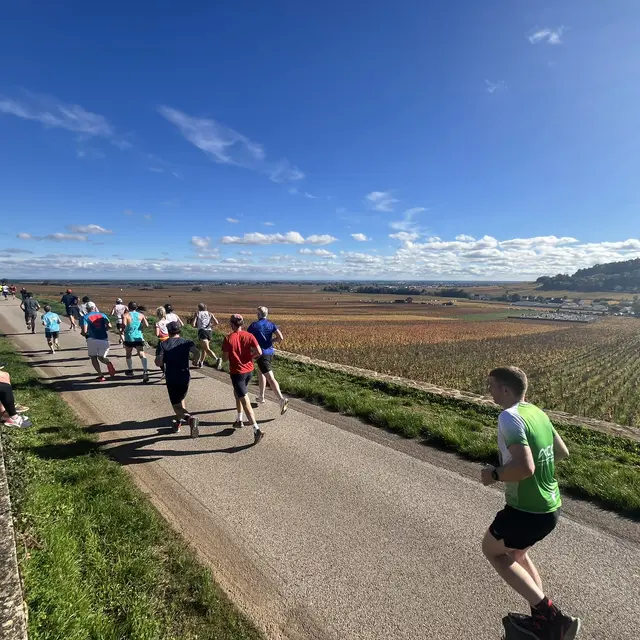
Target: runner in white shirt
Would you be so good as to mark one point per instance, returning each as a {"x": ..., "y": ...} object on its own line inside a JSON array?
[
  {"x": 171, "y": 316},
  {"x": 119, "y": 309},
  {"x": 204, "y": 321}
]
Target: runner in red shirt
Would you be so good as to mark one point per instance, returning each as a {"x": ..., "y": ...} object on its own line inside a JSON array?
[{"x": 240, "y": 349}]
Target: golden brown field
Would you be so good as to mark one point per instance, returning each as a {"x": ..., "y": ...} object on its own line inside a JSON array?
[{"x": 591, "y": 370}]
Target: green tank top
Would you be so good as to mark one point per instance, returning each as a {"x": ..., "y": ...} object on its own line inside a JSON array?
[
  {"x": 525, "y": 424},
  {"x": 133, "y": 330}
]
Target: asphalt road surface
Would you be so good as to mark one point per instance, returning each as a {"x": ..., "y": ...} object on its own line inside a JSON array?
[{"x": 319, "y": 532}]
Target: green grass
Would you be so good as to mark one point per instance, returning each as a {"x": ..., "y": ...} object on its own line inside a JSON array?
[
  {"x": 97, "y": 560},
  {"x": 601, "y": 468}
]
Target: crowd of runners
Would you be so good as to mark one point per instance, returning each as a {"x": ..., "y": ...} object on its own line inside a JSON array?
[{"x": 528, "y": 444}]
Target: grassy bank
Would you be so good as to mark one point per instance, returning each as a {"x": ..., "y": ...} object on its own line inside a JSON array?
[
  {"x": 96, "y": 559},
  {"x": 601, "y": 468}
]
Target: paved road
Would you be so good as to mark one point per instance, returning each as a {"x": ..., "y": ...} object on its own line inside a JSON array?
[{"x": 319, "y": 532}]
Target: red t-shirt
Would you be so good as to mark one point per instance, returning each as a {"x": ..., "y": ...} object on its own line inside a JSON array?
[{"x": 238, "y": 345}]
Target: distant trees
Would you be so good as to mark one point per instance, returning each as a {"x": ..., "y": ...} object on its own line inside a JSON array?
[{"x": 612, "y": 276}]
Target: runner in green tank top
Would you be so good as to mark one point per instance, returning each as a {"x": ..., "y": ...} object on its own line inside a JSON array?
[
  {"x": 528, "y": 447},
  {"x": 134, "y": 321}
]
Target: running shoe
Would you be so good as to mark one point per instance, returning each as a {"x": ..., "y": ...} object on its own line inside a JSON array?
[
  {"x": 284, "y": 405},
  {"x": 258, "y": 434},
  {"x": 260, "y": 399},
  {"x": 100, "y": 379},
  {"x": 194, "y": 426},
  {"x": 145, "y": 378},
  {"x": 111, "y": 369},
  {"x": 20, "y": 408},
  {"x": 219, "y": 364},
  {"x": 238, "y": 424},
  {"x": 19, "y": 421},
  {"x": 556, "y": 626},
  {"x": 176, "y": 425},
  {"x": 129, "y": 373}
]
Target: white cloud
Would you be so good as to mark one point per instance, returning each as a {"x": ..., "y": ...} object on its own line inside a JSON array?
[
  {"x": 128, "y": 212},
  {"x": 321, "y": 239},
  {"x": 156, "y": 170},
  {"x": 232, "y": 220},
  {"x": 245, "y": 253},
  {"x": 52, "y": 113},
  {"x": 407, "y": 223},
  {"x": 291, "y": 237},
  {"x": 360, "y": 237},
  {"x": 10, "y": 252},
  {"x": 381, "y": 200},
  {"x": 538, "y": 241},
  {"x": 226, "y": 146},
  {"x": 147, "y": 216},
  {"x": 550, "y": 36},
  {"x": 24, "y": 236},
  {"x": 309, "y": 195},
  {"x": 464, "y": 238},
  {"x": 404, "y": 236},
  {"x": 493, "y": 87},
  {"x": 200, "y": 242},
  {"x": 89, "y": 229},
  {"x": 322, "y": 253},
  {"x": 269, "y": 224},
  {"x": 65, "y": 237}
]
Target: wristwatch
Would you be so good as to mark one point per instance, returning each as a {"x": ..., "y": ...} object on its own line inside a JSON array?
[{"x": 494, "y": 474}]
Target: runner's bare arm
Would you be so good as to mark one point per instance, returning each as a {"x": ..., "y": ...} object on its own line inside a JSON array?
[
  {"x": 520, "y": 467},
  {"x": 279, "y": 337},
  {"x": 214, "y": 320},
  {"x": 194, "y": 322},
  {"x": 256, "y": 351},
  {"x": 560, "y": 451},
  {"x": 144, "y": 321}
]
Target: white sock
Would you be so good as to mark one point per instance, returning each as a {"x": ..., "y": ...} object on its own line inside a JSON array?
[
  {"x": 129, "y": 364},
  {"x": 145, "y": 364},
  {"x": 256, "y": 427}
]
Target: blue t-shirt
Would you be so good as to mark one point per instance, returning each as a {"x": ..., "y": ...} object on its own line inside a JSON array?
[
  {"x": 263, "y": 331},
  {"x": 96, "y": 324},
  {"x": 51, "y": 321}
]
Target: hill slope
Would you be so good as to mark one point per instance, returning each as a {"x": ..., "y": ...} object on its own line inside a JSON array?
[{"x": 612, "y": 276}]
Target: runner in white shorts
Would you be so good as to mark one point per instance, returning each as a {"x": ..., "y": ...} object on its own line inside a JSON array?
[{"x": 95, "y": 327}]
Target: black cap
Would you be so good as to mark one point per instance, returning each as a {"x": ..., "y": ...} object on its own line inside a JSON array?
[{"x": 173, "y": 327}]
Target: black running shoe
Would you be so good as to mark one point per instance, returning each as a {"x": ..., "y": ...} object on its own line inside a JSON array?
[
  {"x": 129, "y": 373},
  {"x": 258, "y": 434},
  {"x": 194, "y": 426}
]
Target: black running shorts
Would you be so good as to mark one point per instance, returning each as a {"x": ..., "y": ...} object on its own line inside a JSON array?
[
  {"x": 204, "y": 334},
  {"x": 240, "y": 382},
  {"x": 521, "y": 529},
  {"x": 120, "y": 325},
  {"x": 177, "y": 390},
  {"x": 264, "y": 363},
  {"x": 135, "y": 344},
  {"x": 51, "y": 334}
]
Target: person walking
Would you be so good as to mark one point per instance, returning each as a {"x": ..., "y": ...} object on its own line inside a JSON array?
[
  {"x": 204, "y": 321},
  {"x": 173, "y": 355},
  {"x": 30, "y": 307},
  {"x": 240, "y": 349},
  {"x": 119, "y": 309},
  {"x": 529, "y": 447},
  {"x": 134, "y": 321},
  {"x": 95, "y": 328},
  {"x": 267, "y": 333},
  {"x": 70, "y": 302},
  {"x": 51, "y": 322}
]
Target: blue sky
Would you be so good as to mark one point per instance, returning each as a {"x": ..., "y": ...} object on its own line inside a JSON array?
[{"x": 413, "y": 139}]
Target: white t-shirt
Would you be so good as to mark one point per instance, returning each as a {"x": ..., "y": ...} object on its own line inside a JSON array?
[
  {"x": 120, "y": 310},
  {"x": 203, "y": 320},
  {"x": 172, "y": 317},
  {"x": 162, "y": 327}
]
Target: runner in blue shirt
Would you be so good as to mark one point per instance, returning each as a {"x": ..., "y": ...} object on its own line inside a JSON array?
[
  {"x": 95, "y": 328},
  {"x": 266, "y": 333},
  {"x": 134, "y": 321},
  {"x": 51, "y": 322}
]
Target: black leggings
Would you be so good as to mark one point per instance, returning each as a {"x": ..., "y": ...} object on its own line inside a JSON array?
[{"x": 7, "y": 399}]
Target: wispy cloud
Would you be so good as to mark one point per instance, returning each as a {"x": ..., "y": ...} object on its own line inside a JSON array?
[
  {"x": 322, "y": 253},
  {"x": 232, "y": 220},
  {"x": 405, "y": 236},
  {"x": 10, "y": 252},
  {"x": 493, "y": 87},
  {"x": 408, "y": 220},
  {"x": 128, "y": 212},
  {"x": 55, "y": 237},
  {"x": 226, "y": 146},
  {"x": 360, "y": 237},
  {"x": 24, "y": 236},
  {"x": 381, "y": 200},
  {"x": 200, "y": 242},
  {"x": 550, "y": 36},
  {"x": 463, "y": 237},
  {"x": 269, "y": 224},
  {"x": 88, "y": 229},
  {"x": 147, "y": 216},
  {"x": 309, "y": 195},
  {"x": 156, "y": 170},
  {"x": 321, "y": 239}
]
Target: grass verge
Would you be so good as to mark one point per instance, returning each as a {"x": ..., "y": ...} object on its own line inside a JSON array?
[
  {"x": 96, "y": 559},
  {"x": 601, "y": 468}
]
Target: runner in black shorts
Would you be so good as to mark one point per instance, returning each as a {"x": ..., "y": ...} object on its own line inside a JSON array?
[
  {"x": 204, "y": 321},
  {"x": 529, "y": 447},
  {"x": 240, "y": 348},
  {"x": 173, "y": 354},
  {"x": 70, "y": 302}
]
